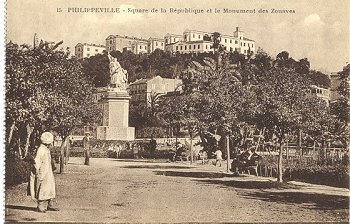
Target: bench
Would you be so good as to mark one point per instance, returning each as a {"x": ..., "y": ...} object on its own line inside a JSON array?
[{"x": 241, "y": 166}]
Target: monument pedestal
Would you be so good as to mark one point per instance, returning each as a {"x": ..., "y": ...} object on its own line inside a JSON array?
[{"x": 115, "y": 122}]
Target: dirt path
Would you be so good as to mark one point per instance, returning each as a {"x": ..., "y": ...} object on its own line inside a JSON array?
[{"x": 112, "y": 190}]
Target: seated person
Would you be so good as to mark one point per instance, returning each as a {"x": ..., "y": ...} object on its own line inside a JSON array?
[
  {"x": 253, "y": 158},
  {"x": 248, "y": 158}
]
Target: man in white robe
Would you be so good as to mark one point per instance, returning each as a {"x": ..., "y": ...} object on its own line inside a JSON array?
[{"x": 42, "y": 181}]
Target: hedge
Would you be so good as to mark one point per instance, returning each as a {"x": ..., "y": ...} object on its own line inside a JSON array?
[{"x": 16, "y": 171}]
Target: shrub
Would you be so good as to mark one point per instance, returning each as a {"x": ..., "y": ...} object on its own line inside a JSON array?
[
  {"x": 332, "y": 175},
  {"x": 16, "y": 171}
]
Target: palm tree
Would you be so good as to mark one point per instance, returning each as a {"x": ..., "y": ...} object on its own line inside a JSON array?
[
  {"x": 153, "y": 107},
  {"x": 216, "y": 38}
]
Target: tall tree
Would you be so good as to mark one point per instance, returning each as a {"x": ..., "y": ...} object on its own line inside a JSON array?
[{"x": 45, "y": 91}]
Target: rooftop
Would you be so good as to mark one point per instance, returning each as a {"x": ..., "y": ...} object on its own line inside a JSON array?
[
  {"x": 86, "y": 44},
  {"x": 244, "y": 38}
]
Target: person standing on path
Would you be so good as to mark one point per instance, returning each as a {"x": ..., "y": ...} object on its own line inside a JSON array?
[
  {"x": 42, "y": 181},
  {"x": 153, "y": 147},
  {"x": 86, "y": 146},
  {"x": 218, "y": 155},
  {"x": 135, "y": 150}
]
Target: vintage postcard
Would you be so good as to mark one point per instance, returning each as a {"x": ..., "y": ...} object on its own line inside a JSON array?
[{"x": 159, "y": 111}]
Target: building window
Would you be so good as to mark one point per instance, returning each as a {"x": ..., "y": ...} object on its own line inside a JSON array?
[
  {"x": 194, "y": 47},
  {"x": 174, "y": 40},
  {"x": 245, "y": 51},
  {"x": 96, "y": 50},
  {"x": 180, "y": 47},
  {"x": 225, "y": 40},
  {"x": 241, "y": 44},
  {"x": 145, "y": 47},
  {"x": 206, "y": 46},
  {"x": 157, "y": 44},
  {"x": 110, "y": 42},
  {"x": 189, "y": 47},
  {"x": 244, "y": 44},
  {"x": 177, "y": 48},
  {"x": 199, "y": 46},
  {"x": 236, "y": 42},
  {"x": 88, "y": 49},
  {"x": 185, "y": 47},
  {"x": 231, "y": 49},
  {"x": 161, "y": 44},
  {"x": 252, "y": 45},
  {"x": 230, "y": 41},
  {"x": 140, "y": 47},
  {"x": 199, "y": 36},
  {"x": 193, "y": 36},
  {"x": 88, "y": 55}
]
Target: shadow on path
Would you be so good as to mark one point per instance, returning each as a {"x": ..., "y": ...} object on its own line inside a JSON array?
[
  {"x": 155, "y": 167},
  {"x": 20, "y": 207},
  {"x": 252, "y": 184},
  {"x": 321, "y": 201},
  {"x": 194, "y": 174},
  {"x": 79, "y": 164},
  {"x": 140, "y": 160}
]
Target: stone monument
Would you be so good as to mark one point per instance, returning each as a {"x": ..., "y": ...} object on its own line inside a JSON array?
[{"x": 115, "y": 102}]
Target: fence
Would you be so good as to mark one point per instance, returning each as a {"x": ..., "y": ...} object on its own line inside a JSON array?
[{"x": 314, "y": 153}]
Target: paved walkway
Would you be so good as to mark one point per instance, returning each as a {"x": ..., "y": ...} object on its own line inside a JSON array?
[{"x": 111, "y": 190}]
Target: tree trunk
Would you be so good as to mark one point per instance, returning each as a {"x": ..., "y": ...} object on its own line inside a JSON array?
[
  {"x": 67, "y": 147},
  {"x": 62, "y": 154},
  {"x": 191, "y": 149},
  {"x": 26, "y": 147},
  {"x": 260, "y": 134},
  {"x": 314, "y": 151},
  {"x": 299, "y": 148},
  {"x": 228, "y": 153},
  {"x": 280, "y": 168},
  {"x": 19, "y": 147},
  {"x": 12, "y": 128},
  {"x": 287, "y": 153}
]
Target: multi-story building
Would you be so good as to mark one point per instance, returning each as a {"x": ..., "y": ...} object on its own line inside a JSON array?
[
  {"x": 141, "y": 90},
  {"x": 322, "y": 93},
  {"x": 140, "y": 47},
  {"x": 172, "y": 38},
  {"x": 121, "y": 43},
  {"x": 155, "y": 43},
  {"x": 193, "y": 41},
  {"x": 136, "y": 45},
  {"x": 83, "y": 50}
]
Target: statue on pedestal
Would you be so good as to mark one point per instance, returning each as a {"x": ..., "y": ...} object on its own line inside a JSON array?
[{"x": 119, "y": 76}]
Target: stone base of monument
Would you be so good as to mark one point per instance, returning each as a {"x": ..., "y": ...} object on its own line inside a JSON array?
[
  {"x": 115, "y": 133},
  {"x": 115, "y": 122}
]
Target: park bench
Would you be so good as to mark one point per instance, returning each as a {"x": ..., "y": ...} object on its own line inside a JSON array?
[{"x": 246, "y": 166}]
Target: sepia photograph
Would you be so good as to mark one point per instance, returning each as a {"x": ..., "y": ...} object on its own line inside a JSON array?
[{"x": 160, "y": 111}]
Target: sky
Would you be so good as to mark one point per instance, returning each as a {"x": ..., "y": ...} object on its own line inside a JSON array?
[{"x": 318, "y": 30}]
